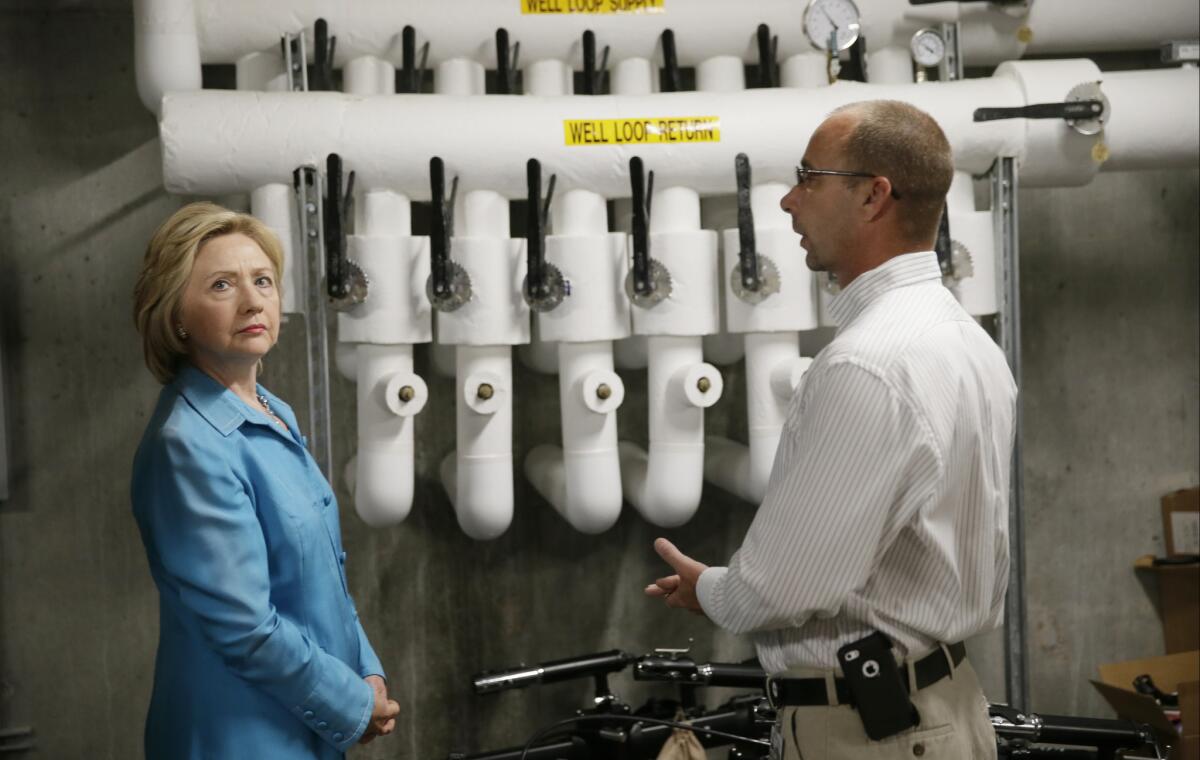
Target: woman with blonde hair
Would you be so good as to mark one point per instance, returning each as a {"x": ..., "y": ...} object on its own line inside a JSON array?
[{"x": 261, "y": 653}]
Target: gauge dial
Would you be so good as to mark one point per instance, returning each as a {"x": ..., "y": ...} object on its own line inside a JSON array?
[
  {"x": 928, "y": 48},
  {"x": 824, "y": 18}
]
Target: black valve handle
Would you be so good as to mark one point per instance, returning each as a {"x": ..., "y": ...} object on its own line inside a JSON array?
[
  {"x": 641, "y": 192},
  {"x": 671, "y": 81},
  {"x": 1077, "y": 109},
  {"x": 413, "y": 74},
  {"x": 441, "y": 226},
  {"x": 323, "y": 56},
  {"x": 337, "y": 209},
  {"x": 747, "y": 255},
  {"x": 942, "y": 243},
  {"x": 591, "y": 75},
  {"x": 768, "y": 50},
  {"x": 506, "y": 63},
  {"x": 537, "y": 212}
]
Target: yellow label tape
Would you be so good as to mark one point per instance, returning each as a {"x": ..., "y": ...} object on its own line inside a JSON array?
[
  {"x": 666, "y": 129},
  {"x": 592, "y": 6}
]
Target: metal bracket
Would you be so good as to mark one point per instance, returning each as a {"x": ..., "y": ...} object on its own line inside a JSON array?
[
  {"x": 951, "y": 67},
  {"x": 19, "y": 739},
  {"x": 295, "y": 61},
  {"x": 309, "y": 187},
  {"x": 1004, "y": 212}
]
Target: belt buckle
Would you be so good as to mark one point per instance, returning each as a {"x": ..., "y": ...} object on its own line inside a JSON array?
[{"x": 772, "y": 692}]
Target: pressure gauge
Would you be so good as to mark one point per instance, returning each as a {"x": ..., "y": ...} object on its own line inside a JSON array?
[
  {"x": 838, "y": 19},
  {"x": 928, "y": 48}
]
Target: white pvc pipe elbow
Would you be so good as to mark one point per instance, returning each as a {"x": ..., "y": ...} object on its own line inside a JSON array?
[
  {"x": 478, "y": 475},
  {"x": 664, "y": 483},
  {"x": 774, "y": 370},
  {"x": 389, "y": 397},
  {"x": 582, "y": 480},
  {"x": 166, "y": 50}
]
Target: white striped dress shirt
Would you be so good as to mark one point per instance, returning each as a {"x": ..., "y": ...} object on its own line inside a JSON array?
[{"x": 887, "y": 507}]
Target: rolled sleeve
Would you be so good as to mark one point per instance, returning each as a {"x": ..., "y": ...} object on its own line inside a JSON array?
[{"x": 207, "y": 547}]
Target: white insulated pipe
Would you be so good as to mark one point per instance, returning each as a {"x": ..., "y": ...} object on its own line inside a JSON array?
[
  {"x": 774, "y": 370},
  {"x": 547, "y": 79},
  {"x": 478, "y": 475},
  {"x": 721, "y": 74},
  {"x": 582, "y": 479},
  {"x": 975, "y": 232},
  {"x": 770, "y": 328},
  {"x": 206, "y": 153},
  {"x": 230, "y": 28},
  {"x": 166, "y": 49},
  {"x": 664, "y": 482},
  {"x": 631, "y": 76},
  {"x": 377, "y": 336}
]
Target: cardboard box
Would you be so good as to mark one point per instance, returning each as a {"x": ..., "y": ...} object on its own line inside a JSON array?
[
  {"x": 1174, "y": 672},
  {"x": 1181, "y": 522},
  {"x": 1178, "y": 602}
]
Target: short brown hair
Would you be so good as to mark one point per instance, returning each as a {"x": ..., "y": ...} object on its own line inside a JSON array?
[
  {"x": 899, "y": 141},
  {"x": 166, "y": 267}
]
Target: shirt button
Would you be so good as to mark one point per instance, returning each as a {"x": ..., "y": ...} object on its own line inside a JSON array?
[
  {"x": 342, "y": 558},
  {"x": 337, "y": 737},
  {"x": 919, "y": 749},
  {"x": 308, "y": 714},
  {"x": 323, "y": 725}
]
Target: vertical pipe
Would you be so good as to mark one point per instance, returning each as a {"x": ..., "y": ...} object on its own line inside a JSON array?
[{"x": 166, "y": 49}]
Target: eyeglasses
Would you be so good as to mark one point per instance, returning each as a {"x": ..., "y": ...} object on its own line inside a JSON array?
[{"x": 803, "y": 173}]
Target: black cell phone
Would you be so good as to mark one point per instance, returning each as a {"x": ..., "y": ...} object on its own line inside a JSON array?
[{"x": 878, "y": 686}]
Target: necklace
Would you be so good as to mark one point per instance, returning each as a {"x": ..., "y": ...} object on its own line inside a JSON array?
[{"x": 262, "y": 399}]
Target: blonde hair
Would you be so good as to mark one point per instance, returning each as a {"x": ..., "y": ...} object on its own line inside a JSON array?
[
  {"x": 166, "y": 267},
  {"x": 899, "y": 141}
]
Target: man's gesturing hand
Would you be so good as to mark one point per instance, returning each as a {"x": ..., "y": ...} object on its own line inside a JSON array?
[
  {"x": 383, "y": 716},
  {"x": 677, "y": 590}
]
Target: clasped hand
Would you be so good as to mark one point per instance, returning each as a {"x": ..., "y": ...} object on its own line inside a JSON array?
[{"x": 383, "y": 716}]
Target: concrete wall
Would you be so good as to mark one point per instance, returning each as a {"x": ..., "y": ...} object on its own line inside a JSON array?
[{"x": 1110, "y": 295}]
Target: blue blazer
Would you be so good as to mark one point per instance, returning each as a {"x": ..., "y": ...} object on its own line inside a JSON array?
[{"x": 260, "y": 652}]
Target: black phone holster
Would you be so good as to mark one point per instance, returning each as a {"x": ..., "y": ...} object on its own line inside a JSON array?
[{"x": 878, "y": 685}]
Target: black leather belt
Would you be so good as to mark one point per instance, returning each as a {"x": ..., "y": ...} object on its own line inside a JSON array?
[{"x": 807, "y": 692}]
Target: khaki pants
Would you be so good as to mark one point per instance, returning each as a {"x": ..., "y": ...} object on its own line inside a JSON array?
[{"x": 954, "y": 725}]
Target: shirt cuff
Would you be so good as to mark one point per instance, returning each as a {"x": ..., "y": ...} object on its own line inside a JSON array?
[
  {"x": 325, "y": 711},
  {"x": 705, "y": 590}
]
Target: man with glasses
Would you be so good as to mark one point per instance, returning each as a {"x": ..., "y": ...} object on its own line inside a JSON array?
[{"x": 884, "y": 522}]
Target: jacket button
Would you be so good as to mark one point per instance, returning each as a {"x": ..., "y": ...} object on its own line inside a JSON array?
[
  {"x": 338, "y": 736},
  {"x": 919, "y": 749},
  {"x": 308, "y": 714},
  {"x": 323, "y": 725}
]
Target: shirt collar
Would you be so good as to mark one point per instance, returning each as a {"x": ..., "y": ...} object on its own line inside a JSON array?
[
  {"x": 213, "y": 401},
  {"x": 897, "y": 272}
]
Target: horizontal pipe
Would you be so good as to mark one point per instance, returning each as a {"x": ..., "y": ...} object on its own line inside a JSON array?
[
  {"x": 703, "y": 28},
  {"x": 224, "y": 142}
]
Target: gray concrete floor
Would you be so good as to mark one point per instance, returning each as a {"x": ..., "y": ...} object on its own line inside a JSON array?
[{"x": 1110, "y": 298}]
